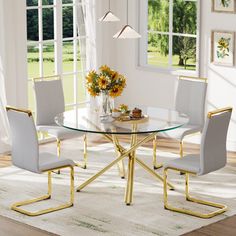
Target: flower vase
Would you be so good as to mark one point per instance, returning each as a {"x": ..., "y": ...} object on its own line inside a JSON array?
[{"x": 106, "y": 105}]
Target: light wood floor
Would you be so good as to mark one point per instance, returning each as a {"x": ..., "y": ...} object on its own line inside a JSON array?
[
  {"x": 9, "y": 227},
  {"x": 227, "y": 227}
]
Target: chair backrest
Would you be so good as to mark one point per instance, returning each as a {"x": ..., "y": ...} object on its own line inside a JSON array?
[
  {"x": 190, "y": 98},
  {"x": 25, "y": 150},
  {"x": 49, "y": 99},
  {"x": 213, "y": 154}
]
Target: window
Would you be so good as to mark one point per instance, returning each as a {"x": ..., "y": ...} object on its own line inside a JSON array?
[
  {"x": 54, "y": 46},
  {"x": 171, "y": 39}
]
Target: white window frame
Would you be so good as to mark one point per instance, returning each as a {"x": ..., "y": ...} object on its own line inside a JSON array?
[
  {"x": 58, "y": 45},
  {"x": 143, "y": 43}
]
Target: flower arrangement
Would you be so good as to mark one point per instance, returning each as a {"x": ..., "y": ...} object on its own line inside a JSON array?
[
  {"x": 123, "y": 108},
  {"x": 106, "y": 81},
  {"x": 223, "y": 47},
  {"x": 225, "y": 3}
]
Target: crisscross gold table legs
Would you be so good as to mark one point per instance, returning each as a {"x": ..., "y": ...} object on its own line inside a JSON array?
[
  {"x": 156, "y": 165},
  {"x": 132, "y": 159},
  {"x": 131, "y": 166},
  {"x": 119, "y": 150}
]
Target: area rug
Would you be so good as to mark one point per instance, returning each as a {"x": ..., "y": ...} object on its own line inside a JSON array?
[{"x": 100, "y": 209}]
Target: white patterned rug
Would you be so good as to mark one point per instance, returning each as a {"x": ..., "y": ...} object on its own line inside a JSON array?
[{"x": 100, "y": 210}]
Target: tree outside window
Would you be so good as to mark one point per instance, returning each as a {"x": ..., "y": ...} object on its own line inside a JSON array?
[{"x": 172, "y": 33}]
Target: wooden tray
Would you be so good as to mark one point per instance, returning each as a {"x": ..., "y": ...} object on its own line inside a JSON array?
[{"x": 131, "y": 120}]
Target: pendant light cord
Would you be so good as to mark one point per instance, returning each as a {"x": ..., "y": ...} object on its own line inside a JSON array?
[
  {"x": 109, "y": 5},
  {"x": 127, "y": 19}
]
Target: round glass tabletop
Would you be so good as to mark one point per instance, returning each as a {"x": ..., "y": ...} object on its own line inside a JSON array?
[{"x": 88, "y": 120}]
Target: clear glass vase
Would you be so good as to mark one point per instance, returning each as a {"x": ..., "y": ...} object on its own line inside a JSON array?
[{"x": 106, "y": 104}]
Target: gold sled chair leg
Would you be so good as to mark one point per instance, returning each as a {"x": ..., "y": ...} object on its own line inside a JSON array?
[
  {"x": 154, "y": 160},
  {"x": 85, "y": 152},
  {"x": 222, "y": 208},
  {"x": 84, "y": 165},
  {"x": 58, "y": 153},
  {"x": 181, "y": 148},
  {"x": 181, "y": 151},
  {"x": 58, "y": 147},
  {"x": 17, "y": 206}
]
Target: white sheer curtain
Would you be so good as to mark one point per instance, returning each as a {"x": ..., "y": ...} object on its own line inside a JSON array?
[
  {"x": 90, "y": 26},
  {"x": 86, "y": 16},
  {"x": 86, "y": 19},
  {"x": 4, "y": 127}
]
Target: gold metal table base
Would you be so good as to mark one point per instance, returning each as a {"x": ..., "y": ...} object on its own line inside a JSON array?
[
  {"x": 132, "y": 159},
  {"x": 156, "y": 165}
]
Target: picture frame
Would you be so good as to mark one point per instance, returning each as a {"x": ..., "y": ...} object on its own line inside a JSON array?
[
  {"x": 223, "y": 48},
  {"x": 224, "y": 6}
]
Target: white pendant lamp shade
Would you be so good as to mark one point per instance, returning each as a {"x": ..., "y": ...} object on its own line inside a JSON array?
[
  {"x": 127, "y": 32},
  {"x": 109, "y": 17}
]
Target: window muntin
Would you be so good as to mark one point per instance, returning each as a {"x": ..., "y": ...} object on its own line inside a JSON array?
[
  {"x": 53, "y": 47},
  {"x": 172, "y": 35}
]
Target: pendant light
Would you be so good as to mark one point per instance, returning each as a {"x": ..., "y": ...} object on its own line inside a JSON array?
[
  {"x": 109, "y": 16},
  {"x": 127, "y": 32}
]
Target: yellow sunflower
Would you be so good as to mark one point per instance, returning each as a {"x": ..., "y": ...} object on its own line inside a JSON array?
[
  {"x": 105, "y": 69},
  {"x": 89, "y": 79},
  {"x": 115, "y": 91},
  {"x": 90, "y": 76},
  {"x": 102, "y": 82},
  {"x": 114, "y": 76},
  {"x": 224, "y": 43},
  {"x": 123, "y": 81},
  {"x": 92, "y": 92},
  {"x": 123, "y": 108}
]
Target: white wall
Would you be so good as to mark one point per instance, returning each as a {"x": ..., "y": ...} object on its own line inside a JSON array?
[
  {"x": 152, "y": 88},
  {"x": 143, "y": 86},
  {"x": 222, "y": 80}
]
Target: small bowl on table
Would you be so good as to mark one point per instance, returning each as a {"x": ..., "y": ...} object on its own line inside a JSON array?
[{"x": 116, "y": 113}]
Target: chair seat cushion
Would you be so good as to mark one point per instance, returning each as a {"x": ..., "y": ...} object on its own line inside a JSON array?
[
  {"x": 189, "y": 163},
  {"x": 181, "y": 132},
  {"x": 48, "y": 161},
  {"x": 59, "y": 132}
]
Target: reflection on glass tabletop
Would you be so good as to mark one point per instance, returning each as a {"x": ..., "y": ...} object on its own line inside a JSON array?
[{"x": 89, "y": 120}]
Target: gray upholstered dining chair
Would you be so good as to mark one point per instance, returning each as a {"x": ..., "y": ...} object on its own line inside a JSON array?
[
  {"x": 49, "y": 98},
  {"x": 25, "y": 155},
  {"x": 190, "y": 100},
  {"x": 213, "y": 156}
]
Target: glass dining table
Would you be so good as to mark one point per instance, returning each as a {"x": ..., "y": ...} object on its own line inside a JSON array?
[{"x": 154, "y": 121}]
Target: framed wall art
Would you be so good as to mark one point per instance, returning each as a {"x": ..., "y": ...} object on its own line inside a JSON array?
[
  {"x": 222, "y": 48},
  {"x": 227, "y": 6}
]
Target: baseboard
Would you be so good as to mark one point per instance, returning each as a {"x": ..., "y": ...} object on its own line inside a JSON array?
[{"x": 231, "y": 145}]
